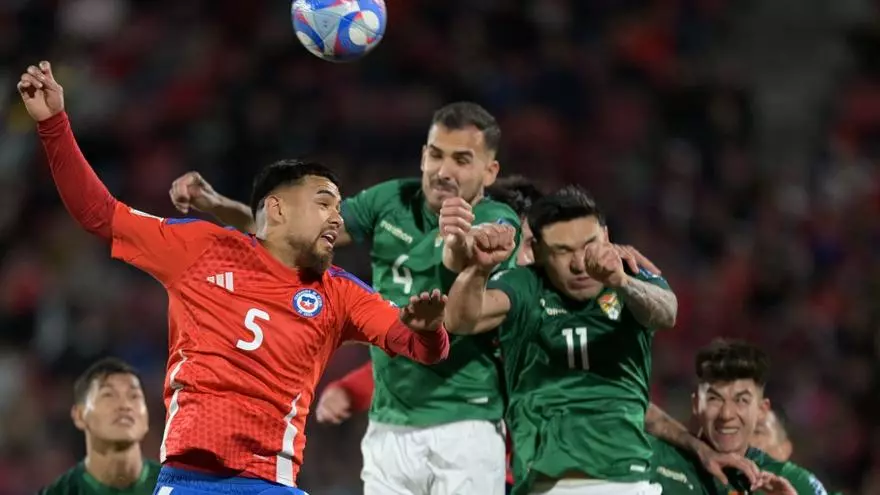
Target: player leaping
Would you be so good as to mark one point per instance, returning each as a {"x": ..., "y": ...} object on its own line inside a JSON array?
[{"x": 252, "y": 320}]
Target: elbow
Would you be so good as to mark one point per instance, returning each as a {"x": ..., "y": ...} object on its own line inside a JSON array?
[{"x": 458, "y": 326}]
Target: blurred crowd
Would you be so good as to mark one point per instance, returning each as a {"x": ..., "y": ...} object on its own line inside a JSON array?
[{"x": 627, "y": 97}]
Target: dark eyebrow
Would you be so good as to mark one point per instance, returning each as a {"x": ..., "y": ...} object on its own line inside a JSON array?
[
  {"x": 454, "y": 153},
  {"x": 563, "y": 246},
  {"x": 327, "y": 192}
]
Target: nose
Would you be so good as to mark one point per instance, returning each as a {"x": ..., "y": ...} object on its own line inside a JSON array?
[
  {"x": 447, "y": 169},
  {"x": 727, "y": 411},
  {"x": 577, "y": 265},
  {"x": 336, "y": 219}
]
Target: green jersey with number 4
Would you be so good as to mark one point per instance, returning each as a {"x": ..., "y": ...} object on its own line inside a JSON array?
[
  {"x": 577, "y": 376},
  {"x": 407, "y": 250}
]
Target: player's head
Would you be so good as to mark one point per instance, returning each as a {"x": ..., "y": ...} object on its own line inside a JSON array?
[
  {"x": 564, "y": 224},
  {"x": 519, "y": 194},
  {"x": 771, "y": 436},
  {"x": 109, "y": 405},
  {"x": 729, "y": 399},
  {"x": 459, "y": 157},
  {"x": 300, "y": 203}
]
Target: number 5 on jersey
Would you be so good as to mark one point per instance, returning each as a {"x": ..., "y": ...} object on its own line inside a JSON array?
[
  {"x": 250, "y": 323},
  {"x": 576, "y": 342}
]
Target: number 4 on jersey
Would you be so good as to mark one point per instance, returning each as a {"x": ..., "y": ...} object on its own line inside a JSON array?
[
  {"x": 401, "y": 274},
  {"x": 577, "y": 348}
]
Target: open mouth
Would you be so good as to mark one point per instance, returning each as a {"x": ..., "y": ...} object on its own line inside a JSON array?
[
  {"x": 330, "y": 236},
  {"x": 726, "y": 431},
  {"x": 124, "y": 421}
]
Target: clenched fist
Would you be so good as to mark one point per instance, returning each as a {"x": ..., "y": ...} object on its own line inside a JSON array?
[
  {"x": 603, "y": 264},
  {"x": 190, "y": 190},
  {"x": 42, "y": 95},
  {"x": 493, "y": 243}
]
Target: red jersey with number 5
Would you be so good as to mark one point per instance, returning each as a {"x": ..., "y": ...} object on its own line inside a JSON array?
[{"x": 249, "y": 339}]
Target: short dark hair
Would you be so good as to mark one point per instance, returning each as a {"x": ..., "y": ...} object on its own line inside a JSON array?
[
  {"x": 516, "y": 191},
  {"x": 566, "y": 204},
  {"x": 729, "y": 360},
  {"x": 285, "y": 173},
  {"x": 100, "y": 370},
  {"x": 462, "y": 114}
]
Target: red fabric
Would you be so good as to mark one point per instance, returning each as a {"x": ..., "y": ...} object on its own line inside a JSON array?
[
  {"x": 84, "y": 195},
  {"x": 359, "y": 385},
  {"x": 249, "y": 338},
  {"x": 424, "y": 347}
]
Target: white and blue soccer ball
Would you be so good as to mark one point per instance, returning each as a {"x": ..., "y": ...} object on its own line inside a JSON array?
[{"x": 339, "y": 30}]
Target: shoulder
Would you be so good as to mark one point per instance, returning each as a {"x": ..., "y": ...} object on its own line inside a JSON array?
[
  {"x": 66, "y": 484},
  {"x": 803, "y": 480},
  {"x": 519, "y": 274},
  {"x": 343, "y": 280},
  {"x": 490, "y": 211},
  {"x": 395, "y": 188},
  {"x": 517, "y": 283},
  {"x": 132, "y": 215}
]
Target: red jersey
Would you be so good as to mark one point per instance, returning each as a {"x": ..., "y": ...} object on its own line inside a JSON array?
[{"x": 249, "y": 339}]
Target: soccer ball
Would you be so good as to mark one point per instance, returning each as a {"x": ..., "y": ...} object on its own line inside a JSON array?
[{"x": 339, "y": 30}]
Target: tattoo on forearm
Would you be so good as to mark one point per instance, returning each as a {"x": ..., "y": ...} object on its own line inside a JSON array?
[
  {"x": 652, "y": 306},
  {"x": 664, "y": 427}
]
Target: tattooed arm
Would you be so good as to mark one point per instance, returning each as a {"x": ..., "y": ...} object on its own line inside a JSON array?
[{"x": 653, "y": 306}]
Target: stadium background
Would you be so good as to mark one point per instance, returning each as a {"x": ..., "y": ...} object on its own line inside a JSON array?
[{"x": 733, "y": 142}]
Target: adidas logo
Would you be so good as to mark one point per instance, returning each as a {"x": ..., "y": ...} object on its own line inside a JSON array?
[{"x": 223, "y": 280}]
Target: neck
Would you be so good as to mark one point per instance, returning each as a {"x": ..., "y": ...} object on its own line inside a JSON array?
[
  {"x": 282, "y": 251},
  {"x": 115, "y": 466}
]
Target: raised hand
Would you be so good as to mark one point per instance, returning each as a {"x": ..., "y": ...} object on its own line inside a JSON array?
[
  {"x": 715, "y": 463},
  {"x": 424, "y": 313},
  {"x": 634, "y": 259},
  {"x": 493, "y": 243},
  {"x": 772, "y": 484},
  {"x": 334, "y": 406},
  {"x": 603, "y": 264},
  {"x": 191, "y": 190},
  {"x": 42, "y": 95}
]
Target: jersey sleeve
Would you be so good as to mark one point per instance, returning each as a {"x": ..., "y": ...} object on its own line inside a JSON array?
[
  {"x": 652, "y": 278},
  {"x": 361, "y": 212},
  {"x": 803, "y": 481},
  {"x": 368, "y": 317},
  {"x": 521, "y": 287},
  {"x": 162, "y": 247}
]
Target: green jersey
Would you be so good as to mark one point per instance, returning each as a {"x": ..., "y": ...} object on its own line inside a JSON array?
[
  {"x": 680, "y": 473},
  {"x": 78, "y": 481},
  {"x": 407, "y": 250},
  {"x": 803, "y": 481},
  {"x": 577, "y": 377}
]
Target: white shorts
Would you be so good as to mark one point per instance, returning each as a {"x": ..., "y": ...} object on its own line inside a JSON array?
[
  {"x": 461, "y": 458},
  {"x": 594, "y": 487}
]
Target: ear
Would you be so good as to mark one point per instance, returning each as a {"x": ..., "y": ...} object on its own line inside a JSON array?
[
  {"x": 272, "y": 211},
  {"x": 424, "y": 155},
  {"x": 76, "y": 414},
  {"x": 607, "y": 235},
  {"x": 491, "y": 174},
  {"x": 695, "y": 404},
  {"x": 764, "y": 406}
]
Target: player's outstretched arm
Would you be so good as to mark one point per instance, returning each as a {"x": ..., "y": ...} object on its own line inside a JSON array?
[
  {"x": 653, "y": 306},
  {"x": 84, "y": 195},
  {"x": 472, "y": 308},
  {"x": 191, "y": 191}
]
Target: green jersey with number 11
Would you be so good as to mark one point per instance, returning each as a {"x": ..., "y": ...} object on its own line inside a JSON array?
[
  {"x": 407, "y": 249},
  {"x": 577, "y": 376}
]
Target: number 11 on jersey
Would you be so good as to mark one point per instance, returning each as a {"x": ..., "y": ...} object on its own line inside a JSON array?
[{"x": 576, "y": 342}]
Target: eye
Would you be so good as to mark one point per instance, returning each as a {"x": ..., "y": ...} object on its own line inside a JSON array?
[{"x": 463, "y": 160}]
